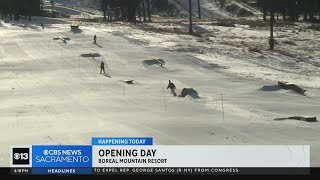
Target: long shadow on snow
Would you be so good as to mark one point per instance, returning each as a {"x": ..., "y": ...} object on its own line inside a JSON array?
[
  {"x": 203, "y": 64},
  {"x": 270, "y": 88},
  {"x": 133, "y": 41},
  {"x": 76, "y": 31},
  {"x": 152, "y": 62}
]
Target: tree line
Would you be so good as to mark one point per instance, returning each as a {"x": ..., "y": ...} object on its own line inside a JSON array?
[
  {"x": 129, "y": 9},
  {"x": 126, "y": 10},
  {"x": 293, "y": 10},
  {"x": 14, "y": 8}
]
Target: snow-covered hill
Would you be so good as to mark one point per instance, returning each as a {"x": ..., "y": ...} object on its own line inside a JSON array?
[{"x": 212, "y": 9}]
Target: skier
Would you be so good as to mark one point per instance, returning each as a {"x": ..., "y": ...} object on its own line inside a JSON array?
[
  {"x": 42, "y": 25},
  {"x": 102, "y": 67},
  {"x": 95, "y": 39},
  {"x": 172, "y": 87}
]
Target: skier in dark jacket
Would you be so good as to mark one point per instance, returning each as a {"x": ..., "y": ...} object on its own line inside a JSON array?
[
  {"x": 172, "y": 87},
  {"x": 102, "y": 68},
  {"x": 95, "y": 39}
]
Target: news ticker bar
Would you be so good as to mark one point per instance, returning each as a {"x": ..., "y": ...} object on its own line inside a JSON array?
[{"x": 160, "y": 171}]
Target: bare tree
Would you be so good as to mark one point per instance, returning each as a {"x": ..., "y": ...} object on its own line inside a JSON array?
[
  {"x": 52, "y": 4},
  {"x": 199, "y": 9},
  {"x": 148, "y": 6},
  {"x": 222, "y": 3},
  {"x": 41, "y": 5},
  {"x": 139, "y": 9},
  {"x": 104, "y": 8},
  {"x": 144, "y": 11},
  {"x": 271, "y": 40},
  {"x": 190, "y": 17}
]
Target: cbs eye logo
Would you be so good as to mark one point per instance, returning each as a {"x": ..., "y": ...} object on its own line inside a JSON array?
[{"x": 20, "y": 156}]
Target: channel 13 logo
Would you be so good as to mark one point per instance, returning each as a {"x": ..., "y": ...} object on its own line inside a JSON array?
[{"x": 20, "y": 156}]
